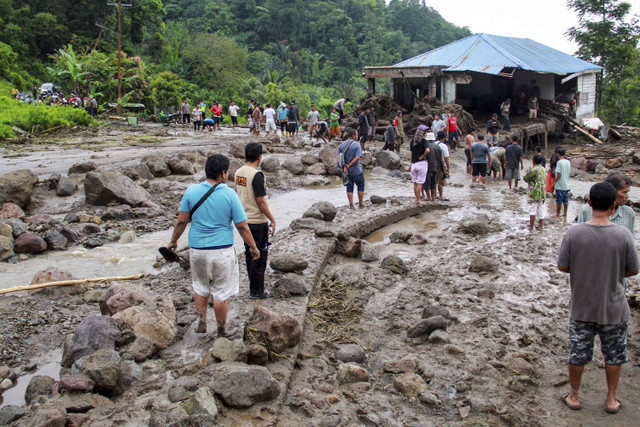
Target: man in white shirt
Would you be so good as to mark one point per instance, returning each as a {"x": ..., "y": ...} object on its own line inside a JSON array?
[
  {"x": 233, "y": 113},
  {"x": 339, "y": 106},
  {"x": 312, "y": 120},
  {"x": 443, "y": 175},
  {"x": 270, "y": 124}
]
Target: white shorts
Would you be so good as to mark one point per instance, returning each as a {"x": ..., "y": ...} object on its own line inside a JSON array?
[
  {"x": 270, "y": 125},
  {"x": 215, "y": 272},
  {"x": 536, "y": 209}
]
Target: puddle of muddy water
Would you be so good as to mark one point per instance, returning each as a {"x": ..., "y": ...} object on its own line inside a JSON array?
[{"x": 51, "y": 368}]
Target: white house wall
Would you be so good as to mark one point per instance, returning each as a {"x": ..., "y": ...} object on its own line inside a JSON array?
[{"x": 587, "y": 91}]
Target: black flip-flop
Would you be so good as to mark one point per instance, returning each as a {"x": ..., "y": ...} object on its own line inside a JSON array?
[
  {"x": 612, "y": 411},
  {"x": 563, "y": 398},
  {"x": 169, "y": 255}
]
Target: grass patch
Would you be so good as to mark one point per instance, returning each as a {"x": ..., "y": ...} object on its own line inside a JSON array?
[
  {"x": 38, "y": 118},
  {"x": 332, "y": 312}
]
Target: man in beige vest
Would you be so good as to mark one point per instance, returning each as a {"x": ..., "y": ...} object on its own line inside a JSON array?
[{"x": 252, "y": 190}]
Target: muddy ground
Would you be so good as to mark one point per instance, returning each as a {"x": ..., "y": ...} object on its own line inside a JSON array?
[{"x": 501, "y": 360}]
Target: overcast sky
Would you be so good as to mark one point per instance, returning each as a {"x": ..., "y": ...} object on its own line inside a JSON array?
[{"x": 544, "y": 21}]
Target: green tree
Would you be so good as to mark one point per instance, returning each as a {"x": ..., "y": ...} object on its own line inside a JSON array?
[
  {"x": 69, "y": 67},
  {"x": 165, "y": 90}
]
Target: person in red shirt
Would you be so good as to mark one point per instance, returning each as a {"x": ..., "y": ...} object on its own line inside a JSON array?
[
  {"x": 454, "y": 131},
  {"x": 216, "y": 111}
]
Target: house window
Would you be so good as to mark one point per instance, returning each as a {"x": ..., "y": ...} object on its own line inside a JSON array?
[{"x": 584, "y": 98}]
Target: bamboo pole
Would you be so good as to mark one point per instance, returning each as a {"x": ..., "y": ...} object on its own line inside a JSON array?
[
  {"x": 69, "y": 282},
  {"x": 591, "y": 137}
]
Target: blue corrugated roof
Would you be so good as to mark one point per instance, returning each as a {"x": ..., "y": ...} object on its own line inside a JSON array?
[{"x": 485, "y": 53}]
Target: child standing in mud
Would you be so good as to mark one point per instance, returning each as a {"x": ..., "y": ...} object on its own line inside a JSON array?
[
  {"x": 598, "y": 255},
  {"x": 535, "y": 177}
]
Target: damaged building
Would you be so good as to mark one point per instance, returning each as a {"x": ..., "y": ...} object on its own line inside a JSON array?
[{"x": 482, "y": 70}]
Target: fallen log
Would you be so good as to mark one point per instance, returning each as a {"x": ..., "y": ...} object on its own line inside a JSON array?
[{"x": 69, "y": 282}]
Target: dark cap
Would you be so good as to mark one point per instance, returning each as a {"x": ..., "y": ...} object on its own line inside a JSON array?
[{"x": 494, "y": 115}]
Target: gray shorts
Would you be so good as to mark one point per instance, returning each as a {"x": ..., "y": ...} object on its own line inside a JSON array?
[
  {"x": 492, "y": 139},
  {"x": 512, "y": 173},
  {"x": 613, "y": 342}
]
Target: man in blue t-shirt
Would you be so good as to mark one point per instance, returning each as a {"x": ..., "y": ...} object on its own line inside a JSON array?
[
  {"x": 481, "y": 157},
  {"x": 352, "y": 153},
  {"x": 214, "y": 266}
]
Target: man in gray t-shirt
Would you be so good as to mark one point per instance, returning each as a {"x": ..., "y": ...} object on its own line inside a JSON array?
[{"x": 598, "y": 255}]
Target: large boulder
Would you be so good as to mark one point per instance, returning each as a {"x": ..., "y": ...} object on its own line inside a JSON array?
[
  {"x": 119, "y": 297},
  {"x": 55, "y": 240},
  {"x": 103, "y": 187},
  {"x": 273, "y": 138},
  {"x": 17, "y": 226},
  {"x": 237, "y": 149},
  {"x": 137, "y": 172},
  {"x": 327, "y": 209},
  {"x": 288, "y": 263},
  {"x": 180, "y": 166},
  {"x": 154, "y": 327},
  {"x": 66, "y": 186},
  {"x": 310, "y": 159},
  {"x": 11, "y": 210},
  {"x": 39, "y": 385},
  {"x": 112, "y": 375},
  {"x": 202, "y": 402},
  {"x": 270, "y": 164},
  {"x": 329, "y": 157},
  {"x": 83, "y": 167},
  {"x": 240, "y": 386},
  {"x": 6, "y": 248},
  {"x": 316, "y": 169},
  {"x": 92, "y": 334},
  {"x": 49, "y": 414},
  {"x": 157, "y": 165},
  {"x": 16, "y": 187},
  {"x": 51, "y": 274},
  {"x": 276, "y": 331},
  {"x": 29, "y": 243},
  {"x": 388, "y": 159},
  {"x": 293, "y": 284},
  {"x": 294, "y": 165}
]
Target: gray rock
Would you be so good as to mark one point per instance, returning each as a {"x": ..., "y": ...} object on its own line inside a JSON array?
[
  {"x": 310, "y": 159},
  {"x": 84, "y": 402},
  {"x": 352, "y": 247},
  {"x": 330, "y": 421},
  {"x": 429, "y": 398},
  {"x": 426, "y": 326},
  {"x": 180, "y": 166},
  {"x": 439, "y": 337},
  {"x": 5, "y": 372},
  {"x": 6, "y": 231},
  {"x": 71, "y": 217},
  {"x": 118, "y": 213},
  {"x": 411, "y": 385},
  {"x": 240, "y": 386},
  {"x": 201, "y": 403},
  {"x": 5, "y": 385},
  {"x": 273, "y": 138},
  {"x": 368, "y": 252},
  {"x": 305, "y": 223},
  {"x": 17, "y": 226},
  {"x": 270, "y": 164},
  {"x": 17, "y": 187},
  {"x": 388, "y": 159},
  {"x": 90, "y": 228},
  {"x": 600, "y": 169},
  {"x": 430, "y": 311},
  {"x": 138, "y": 172},
  {"x": 11, "y": 413},
  {"x": 103, "y": 187},
  {"x": 157, "y": 165},
  {"x": 313, "y": 212},
  {"x": 276, "y": 331},
  {"x": 315, "y": 181},
  {"x": 394, "y": 265},
  {"x": 377, "y": 200},
  {"x": 177, "y": 394},
  {"x": 92, "y": 334},
  {"x": 6, "y": 248},
  {"x": 329, "y": 158},
  {"x": 482, "y": 264},
  {"x": 324, "y": 231},
  {"x": 288, "y": 263},
  {"x": 257, "y": 355},
  {"x": 328, "y": 210},
  {"x": 293, "y": 165},
  {"x": 475, "y": 228},
  {"x": 294, "y": 284},
  {"x": 29, "y": 243},
  {"x": 316, "y": 169},
  {"x": 236, "y": 149},
  {"x": 93, "y": 243},
  {"x": 188, "y": 382},
  {"x": 83, "y": 167},
  {"x": 352, "y": 373},
  {"x": 39, "y": 385},
  {"x": 55, "y": 241},
  {"x": 127, "y": 237},
  {"x": 49, "y": 414},
  {"x": 400, "y": 236},
  {"x": 406, "y": 176},
  {"x": 111, "y": 374},
  {"x": 350, "y": 353},
  {"x": 395, "y": 174},
  {"x": 401, "y": 366},
  {"x": 66, "y": 186},
  {"x": 227, "y": 350}
]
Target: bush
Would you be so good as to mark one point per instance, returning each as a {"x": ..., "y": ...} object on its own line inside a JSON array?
[{"x": 38, "y": 117}]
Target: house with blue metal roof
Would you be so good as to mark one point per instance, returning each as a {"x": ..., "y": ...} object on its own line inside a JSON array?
[{"x": 482, "y": 70}]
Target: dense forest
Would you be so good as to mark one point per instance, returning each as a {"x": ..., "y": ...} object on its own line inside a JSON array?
[{"x": 313, "y": 51}]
